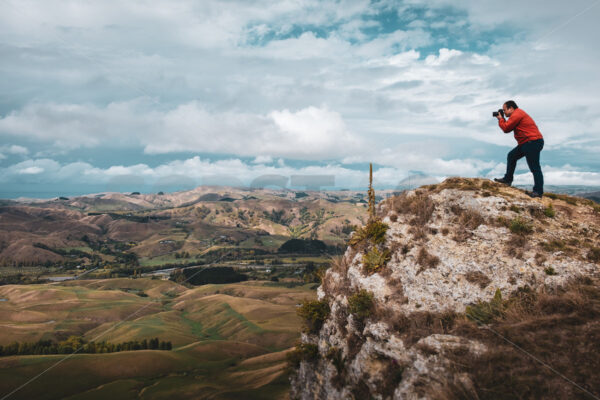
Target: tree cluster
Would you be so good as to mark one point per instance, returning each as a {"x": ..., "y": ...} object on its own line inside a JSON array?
[{"x": 78, "y": 344}]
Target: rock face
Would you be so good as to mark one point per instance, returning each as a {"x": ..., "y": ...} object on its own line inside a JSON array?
[{"x": 452, "y": 247}]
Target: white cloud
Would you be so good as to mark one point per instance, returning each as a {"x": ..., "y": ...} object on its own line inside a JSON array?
[
  {"x": 307, "y": 133},
  {"x": 197, "y": 171},
  {"x": 31, "y": 170},
  {"x": 12, "y": 149},
  {"x": 309, "y": 80},
  {"x": 263, "y": 160},
  {"x": 444, "y": 56},
  {"x": 560, "y": 177}
]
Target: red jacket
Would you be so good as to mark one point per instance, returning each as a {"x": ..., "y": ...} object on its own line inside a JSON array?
[{"x": 525, "y": 129}]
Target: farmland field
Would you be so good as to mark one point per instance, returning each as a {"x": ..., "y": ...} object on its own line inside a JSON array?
[{"x": 227, "y": 339}]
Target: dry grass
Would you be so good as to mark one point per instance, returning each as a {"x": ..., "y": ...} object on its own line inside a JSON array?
[
  {"x": 418, "y": 325},
  {"x": 540, "y": 258},
  {"x": 516, "y": 245},
  {"x": 418, "y": 233},
  {"x": 419, "y": 205},
  {"x": 594, "y": 255},
  {"x": 554, "y": 245},
  {"x": 467, "y": 220},
  {"x": 471, "y": 219},
  {"x": 339, "y": 264},
  {"x": 355, "y": 343},
  {"x": 478, "y": 278},
  {"x": 565, "y": 210},
  {"x": 568, "y": 199},
  {"x": 560, "y": 328},
  {"x": 397, "y": 290},
  {"x": 461, "y": 184},
  {"x": 426, "y": 260}
]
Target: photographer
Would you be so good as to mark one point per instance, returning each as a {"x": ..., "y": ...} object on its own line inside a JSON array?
[{"x": 529, "y": 145}]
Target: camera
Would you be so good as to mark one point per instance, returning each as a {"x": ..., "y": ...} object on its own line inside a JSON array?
[{"x": 500, "y": 111}]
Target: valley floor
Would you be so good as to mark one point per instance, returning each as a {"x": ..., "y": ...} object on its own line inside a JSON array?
[{"x": 228, "y": 340}]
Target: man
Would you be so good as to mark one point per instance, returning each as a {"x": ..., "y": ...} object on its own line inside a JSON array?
[{"x": 529, "y": 145}]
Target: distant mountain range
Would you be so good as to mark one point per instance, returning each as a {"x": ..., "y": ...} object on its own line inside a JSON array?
[{"x": 164, "y": 228}]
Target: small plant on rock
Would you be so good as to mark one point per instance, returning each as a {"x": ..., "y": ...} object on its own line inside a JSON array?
[
  {"x": 372, "y": 236},
  {"x": 302, "y": 352},
  {"x": 314, "y": 313},
  {"x": 361, "y": 304},
  {"x": 549, "y": 211},
  {"x": 520, "y": 226},
  {"x": 375, "y": 260},
  {"x": 485, "y": 311}
]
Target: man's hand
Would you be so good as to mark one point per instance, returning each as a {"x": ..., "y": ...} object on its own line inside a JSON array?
[{"x": 500, "y": 117}]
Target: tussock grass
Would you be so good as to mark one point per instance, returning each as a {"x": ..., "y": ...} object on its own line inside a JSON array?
[
  {"x": 420, "y": 206},
  {"x": 478, "y": 278},
  {"x": 467, "y": 221},
  {"x": 516, "y": 245},
  {"x": 426, "y": 260}
]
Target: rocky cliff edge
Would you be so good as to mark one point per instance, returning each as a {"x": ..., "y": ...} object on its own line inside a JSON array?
[{"x": 465, "y": 289}]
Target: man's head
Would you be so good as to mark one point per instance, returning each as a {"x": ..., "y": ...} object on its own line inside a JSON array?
[{"x": 509, "y": 107}]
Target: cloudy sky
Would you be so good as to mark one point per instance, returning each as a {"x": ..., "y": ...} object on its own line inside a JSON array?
[{"x": 168, "y": 95}]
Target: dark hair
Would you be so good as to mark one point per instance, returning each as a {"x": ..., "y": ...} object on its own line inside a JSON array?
[{"x": 511, "y": 104}]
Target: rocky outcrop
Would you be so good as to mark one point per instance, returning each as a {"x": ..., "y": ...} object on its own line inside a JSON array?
[{"x": 455, "y": 256}]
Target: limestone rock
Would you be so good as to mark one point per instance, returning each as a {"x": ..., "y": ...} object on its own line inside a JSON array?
[{"x": 452, "y": 245}]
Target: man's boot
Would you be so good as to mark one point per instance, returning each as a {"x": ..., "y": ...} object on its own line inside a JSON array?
[{"x": 502, "y": 180}]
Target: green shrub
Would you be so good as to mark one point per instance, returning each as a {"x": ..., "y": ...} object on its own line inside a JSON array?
[
  {"x": 549, "y": 211},
  {"x": 520, "y": 226},
  {"x": 374, "y": 231},
  {"x": 314, "y": 313},
  {"x": 375, "y": 260},
  {"x": 361, "y": 304},
  {"x": 550, "y": 271},
  {"x": 485, "y": 311},
  {"x": 360, "y": 234},
  {"x": 302, "y": 352}
]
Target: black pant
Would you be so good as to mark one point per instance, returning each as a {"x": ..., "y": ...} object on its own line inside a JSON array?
[{"x": 531, "y": 151}]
